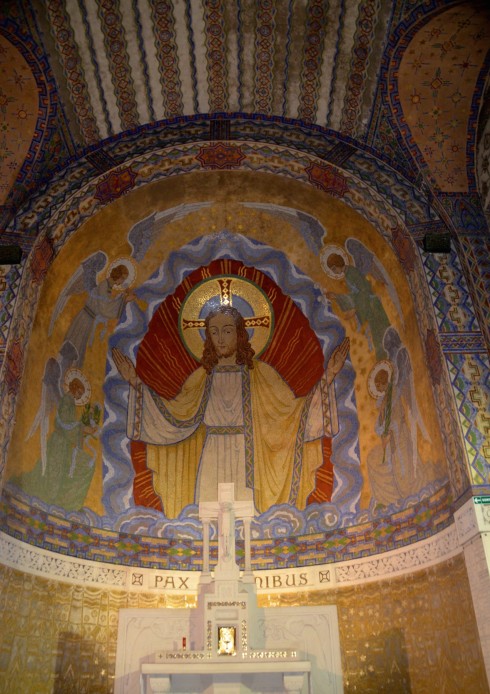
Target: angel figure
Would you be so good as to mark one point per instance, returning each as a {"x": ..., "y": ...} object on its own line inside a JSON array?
[
  {"x": 395, "y": 470},
  {"x": 51, "y": 393},
  {"x": 361, "y": 301},
  {"x": 64, "y": 475},
  {"x": 107, "y": 298},
  {"x": 404, "y": 386}
]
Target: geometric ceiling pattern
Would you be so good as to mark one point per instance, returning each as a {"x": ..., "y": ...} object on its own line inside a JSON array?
[
  {"x": 360, "y": 70},
  {"x": 126, "y": 64}
]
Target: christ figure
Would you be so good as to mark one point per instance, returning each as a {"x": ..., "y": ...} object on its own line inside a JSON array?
[{"x": 236, "y": 420}]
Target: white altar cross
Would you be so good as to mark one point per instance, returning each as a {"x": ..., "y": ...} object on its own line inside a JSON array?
[{"x": 226, "y": 511}]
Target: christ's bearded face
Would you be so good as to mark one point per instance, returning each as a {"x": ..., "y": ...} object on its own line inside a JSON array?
[{"x": 223, "y": 334}]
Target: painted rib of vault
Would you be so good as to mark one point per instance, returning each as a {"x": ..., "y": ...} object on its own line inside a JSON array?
[{"x": 118, "y": 470}]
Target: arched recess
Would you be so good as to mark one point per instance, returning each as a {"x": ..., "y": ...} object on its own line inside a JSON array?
[
  {"x": 434, "y": 110},
  {"x": 166, "y": 178},
  {"x": 19, "y": 110},
  {"x": 483, "y": 151}
]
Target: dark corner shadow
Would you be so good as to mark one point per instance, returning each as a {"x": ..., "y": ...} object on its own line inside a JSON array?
[{"x": 81, "y": 666}]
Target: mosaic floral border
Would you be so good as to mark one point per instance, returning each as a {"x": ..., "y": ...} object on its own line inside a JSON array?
[
  {"x": 181, "y": 581},
  {"x": 66, "y": 537}
]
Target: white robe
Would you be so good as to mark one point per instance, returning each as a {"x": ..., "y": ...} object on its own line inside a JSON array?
[{"x": 274, "y": 414}]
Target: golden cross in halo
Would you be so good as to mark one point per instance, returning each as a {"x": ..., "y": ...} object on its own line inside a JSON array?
[{"x": 226, "y": 299}]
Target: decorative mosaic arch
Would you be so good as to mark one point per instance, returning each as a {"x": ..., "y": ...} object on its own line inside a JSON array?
[{"x": 366, "y": 188}]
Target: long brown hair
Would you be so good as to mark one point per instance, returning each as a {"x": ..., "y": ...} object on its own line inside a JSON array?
[{"x": 244, "y": 353}]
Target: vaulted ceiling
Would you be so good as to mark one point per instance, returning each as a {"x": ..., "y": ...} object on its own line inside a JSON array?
[{"x": 403, "y": 80}]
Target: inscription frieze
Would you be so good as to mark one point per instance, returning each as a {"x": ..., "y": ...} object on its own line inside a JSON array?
[{"x": 30, "y": 559}]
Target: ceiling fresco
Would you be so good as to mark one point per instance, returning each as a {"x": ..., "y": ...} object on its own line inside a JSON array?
[
  {"x": 19, "y": 111},
  {"x": 285, "y": 157},
  {"x": 360, "y": 70},
  {"x": 313, "y": 60},
  {"x": 437, "y": 76}
]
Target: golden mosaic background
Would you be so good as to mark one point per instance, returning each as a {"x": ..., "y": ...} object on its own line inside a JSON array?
[
  {"x": 412, "y": 634},
  {"x": 107, "y": 231}
]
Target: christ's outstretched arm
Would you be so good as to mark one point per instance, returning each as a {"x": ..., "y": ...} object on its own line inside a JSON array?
[
  {"x": 337, "y": 360},
  {"x": 125, "y": 367}
]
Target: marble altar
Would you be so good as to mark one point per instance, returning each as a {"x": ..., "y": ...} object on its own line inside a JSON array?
[{"x": 227, "y": 643}]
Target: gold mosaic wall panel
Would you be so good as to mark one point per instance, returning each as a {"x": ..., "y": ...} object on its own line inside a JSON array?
[{"x": 412, "y": 634}]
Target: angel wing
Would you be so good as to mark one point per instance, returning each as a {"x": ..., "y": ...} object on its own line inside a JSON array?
[
  {"x": 404, "y": 385},
  {"x": 51, "y": 392},
  {"x": 367, "y": 263},
  {"x": 83, "y": 280},
  {"x": 308, "y": 226},
  {"x": 143, "y": 233},
  {"x": 50, "y": 396}
]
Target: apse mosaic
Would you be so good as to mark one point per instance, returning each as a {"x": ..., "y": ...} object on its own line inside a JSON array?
[{"x": 194, "y": 349}]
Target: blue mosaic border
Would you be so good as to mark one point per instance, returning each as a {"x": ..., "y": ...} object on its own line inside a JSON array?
[
  {"x": 365, "y": 162},
  {"x": 384, "y": 533}
]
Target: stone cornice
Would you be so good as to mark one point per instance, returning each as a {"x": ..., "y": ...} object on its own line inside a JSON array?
[{"x": 53, "y": 566}]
